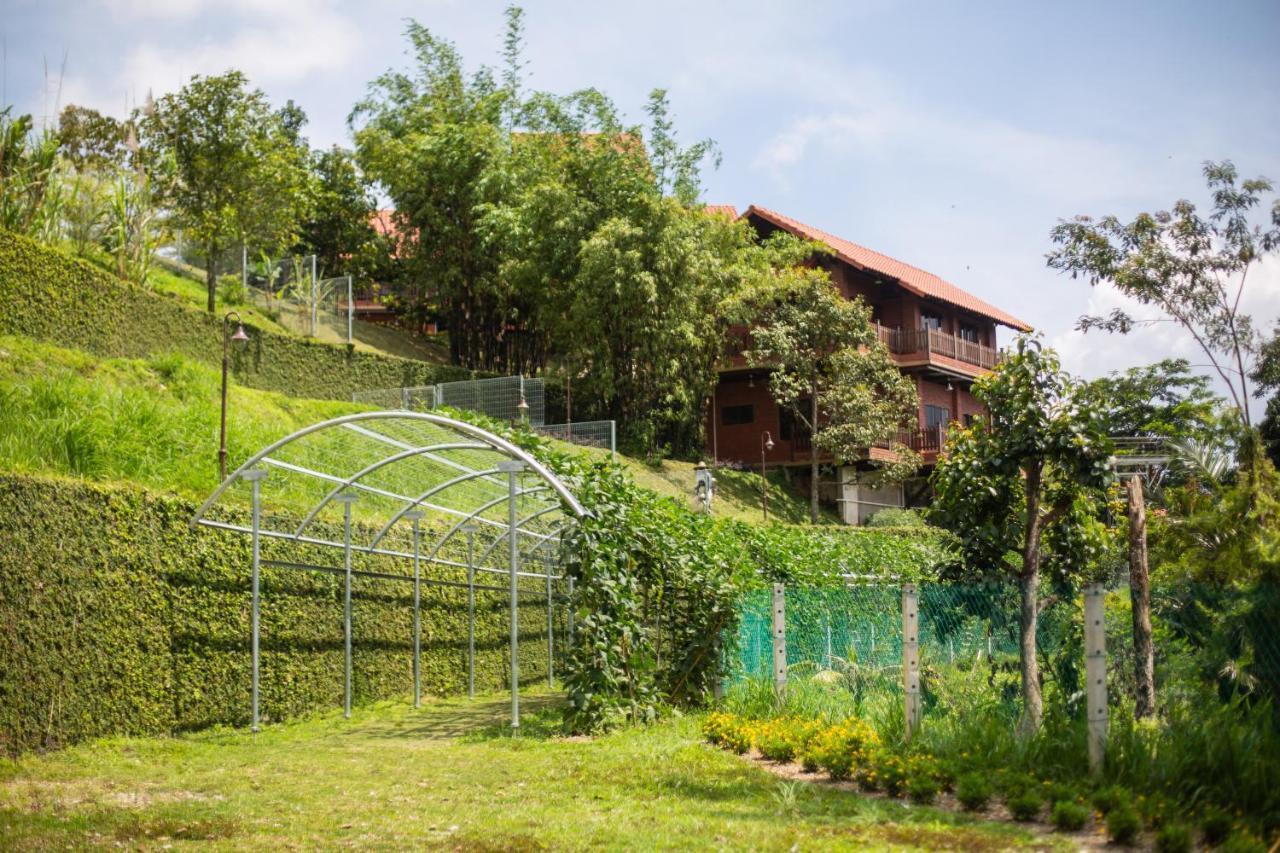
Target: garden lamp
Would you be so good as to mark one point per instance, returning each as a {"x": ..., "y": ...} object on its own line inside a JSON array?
[
  {"x": 766, "y": 444},
  {"x": 239, "y": 338}
]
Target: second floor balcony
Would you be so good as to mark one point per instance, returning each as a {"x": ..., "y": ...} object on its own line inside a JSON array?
[{"x": 922, "y": 345}]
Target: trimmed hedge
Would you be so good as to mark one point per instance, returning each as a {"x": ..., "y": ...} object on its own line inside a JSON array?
[
  {"x": 46, "y": 294},
  {"x": 117, "y": 618}
]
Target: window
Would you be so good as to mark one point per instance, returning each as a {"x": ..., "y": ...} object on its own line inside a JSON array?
[
  {"x": 790, "y": 426},
  {"x": 737, "y": 415},
  {"x": 968, "y": 333},
  {"x": 930, "y": 321},
  {"x": 968, "y": 420},
  {"x": 936, "y": 416}
]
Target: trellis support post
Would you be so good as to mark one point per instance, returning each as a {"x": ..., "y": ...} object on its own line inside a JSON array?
[
  {"x": 415, "y": 516},
  {"x": 254, "y": 476},
  {"x": 512, "y": 468},
  {"x": 550, "y": 630},
  {"x": 346, "y": 499},
  {"x": 1095, "y": 668},
  {"x": 911, "y": 656},
  {"x": 470, "y": 530},
  {"x": 779, "y": 638}
]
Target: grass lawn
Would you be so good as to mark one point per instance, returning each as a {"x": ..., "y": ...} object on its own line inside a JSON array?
[{"x": 448, "y": 776}]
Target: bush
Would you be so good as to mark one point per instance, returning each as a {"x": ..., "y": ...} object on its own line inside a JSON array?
[
  {"x": 1241, "y": 841},
  {"x": 1174, "y": 838},
  {"x": 894, "y": 517},
  {"x": 1123, "y": 823},
  {"x": 231, "y": 290},
  {"x": 1025, "y": 806},
  {"x": 923, "y": 790},
  {"x": 1216, "y": 826},
  {"x": 1069, "y": 816},
  {"x": 842, "y": 747},
  {"x": 784, "y": 738},
  {"x": 1109, "y": 798},
  {"x": 973, "y": 791}
]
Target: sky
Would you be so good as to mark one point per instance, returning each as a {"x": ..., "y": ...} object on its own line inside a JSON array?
[{"x": 951, "y": 135}]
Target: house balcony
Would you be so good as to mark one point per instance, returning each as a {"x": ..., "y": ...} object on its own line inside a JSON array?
[{"x": 933, "y": 348}]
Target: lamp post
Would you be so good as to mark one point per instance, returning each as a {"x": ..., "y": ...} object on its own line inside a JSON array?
[
  {"x": 766, "y": 444},
  {"x": 238, "y": 337}
]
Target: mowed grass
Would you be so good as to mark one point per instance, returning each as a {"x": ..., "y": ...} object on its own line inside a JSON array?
[{"x": 449, "y": 776}]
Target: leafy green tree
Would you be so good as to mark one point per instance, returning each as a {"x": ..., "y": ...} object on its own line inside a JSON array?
[
  {"x": 228, "y": 167},
  {"x": 1188, "y": 268},
  {"x": 89, "y": 139},
  {"x": 1266, "y": 377},
  {"x": 1022, "y": 486},
  {"x": 829, "y": 367},
  {"x": 339, "y": 231}
]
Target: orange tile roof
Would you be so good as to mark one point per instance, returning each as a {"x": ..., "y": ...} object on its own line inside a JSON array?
[
  {"x": 914, "y": 279},
  {"x": 721, "y": 210}
]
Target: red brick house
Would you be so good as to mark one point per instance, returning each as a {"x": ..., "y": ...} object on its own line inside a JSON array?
[{"x": 940, "y": 335}]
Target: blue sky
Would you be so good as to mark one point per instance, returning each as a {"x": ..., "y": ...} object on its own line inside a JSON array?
[{"x": 951, "y": 135}]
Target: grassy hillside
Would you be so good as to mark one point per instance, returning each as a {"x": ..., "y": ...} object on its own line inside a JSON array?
[
  {"x": 47, "y": 295},
  {"x": 155, "y": 421}
]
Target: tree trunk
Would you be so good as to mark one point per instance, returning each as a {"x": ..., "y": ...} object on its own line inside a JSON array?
[
  {"x": 211, "y": 276},
  {"x": 813, "y": 455},
  {"x": 1029, "y": 580},
  {"x": 1140, "y": 595}
]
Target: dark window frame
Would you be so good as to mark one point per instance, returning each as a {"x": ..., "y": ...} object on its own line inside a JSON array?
[{"x": 749, "y": 409}]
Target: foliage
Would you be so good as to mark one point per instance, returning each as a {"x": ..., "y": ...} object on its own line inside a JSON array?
[
  {"x": 829, "y": 368},
  {"x": 974, "y": 791},
  {"x": 1026, "y": 805},
  {"x": 339, "y": 230},
  {"x": 1189, "y": 268},
  {"x": 895, "y": 517},
  {"x": 1123, "y": 824},
  {"x": 1266, "y": 377},
  {"x": 1069, "y": 816},
  {"x": 1027, "y": 479},
  {"x": 121, "y": 619},
  {"x": 29, "y": 193},
  {"x": 227, "y": 165},
  {"x": 48, "y": 296},
  {"x": 91, "y": 141},
  {"x": 1174, "y": 838}
]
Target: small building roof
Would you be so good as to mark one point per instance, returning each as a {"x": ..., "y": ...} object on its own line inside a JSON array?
[
  {"x": 721, "y": 210},
  {"x": 914, "y": 279}
]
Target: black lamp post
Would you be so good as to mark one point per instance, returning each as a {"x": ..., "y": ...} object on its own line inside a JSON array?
[
  {"x": 239, "y": 337},
  {"x": 766, "y": 444}
]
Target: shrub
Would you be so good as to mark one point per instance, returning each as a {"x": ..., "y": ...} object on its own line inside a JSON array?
[
  {"x": 231, "y": 290},
  {"x": 1106, "y": 799},
  {"x": 1123, "y": 823},
  {"x": 1216, "y": 826},
  {"x": 1174, "y": 838},
  {"x": 1069, "y": 816},
  {"x": 1026, "y": 805},
  {"x": 1241, "y": 841},
  {"x": 842, "y": 747},
  {"x": 923, "y": 790},
  {"x": 973, "y": 791},
  {"x": 717, "y": 727},
  {"x": 782, "y": 739},
  {"x": 891, "y": 771}
]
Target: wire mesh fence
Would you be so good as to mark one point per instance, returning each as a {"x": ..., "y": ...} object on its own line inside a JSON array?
[
  {"x": 602, "y": 434},
  {"x": 418, "y": 398}
]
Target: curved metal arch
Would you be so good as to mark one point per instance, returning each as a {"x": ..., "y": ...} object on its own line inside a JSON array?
[
  {"x": 463, "y": 521},
  {"x": 496, "y": 442},
  {"x": 420, "y": 499},
  {"x": 369, "y": 469}
]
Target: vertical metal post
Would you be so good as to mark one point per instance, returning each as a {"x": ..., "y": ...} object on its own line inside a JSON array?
[
  {"x": 779, "y": 638},
  {"x": 826, "y": 617},
  {"x": 512, "y": 468},
  {"x": 613, "y": 439},
  {"x": 255, "y": 476},
  {"x": 347, "y": 500},
  {"x": 244, "y": 268},
  {"x": 415, "y": 515},
  {"x": 351, "y": 314},
  {"x": 471, "y": 611},
  {"x": 550, "y": 631},
  {"x": 315, "y": 295},
  {"x": 911, "y": 656},
  {"x": 1095, "y": 669},
  {"x": 569, "y": 615}
]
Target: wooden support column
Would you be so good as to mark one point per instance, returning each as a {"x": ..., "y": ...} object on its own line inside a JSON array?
[
  {"x": 1095, "y": 670},
  {"x": 779, "y": 638},
  {"x": 911, "y": 656}
]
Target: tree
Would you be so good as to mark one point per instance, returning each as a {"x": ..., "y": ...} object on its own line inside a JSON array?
[
  {"x": 1190, "y": 269},
  {"x": 89, "y": 139},
  {"x": 339, "y": 231},
  {"x": 828, "y": 366},
  {"x": 227, "y": 166},
  {"x": 28, "y": 176},
  {"x": 1266, "y": 376},
  {"x": 1021, "y": 486}
]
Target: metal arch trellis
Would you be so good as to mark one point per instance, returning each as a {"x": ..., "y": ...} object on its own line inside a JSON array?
[{"x": 442, "y": 475}]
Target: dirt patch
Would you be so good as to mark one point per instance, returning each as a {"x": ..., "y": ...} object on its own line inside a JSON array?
[
  {"x": 1092, "y": 837},
  {"x": 38, "y": 795}
]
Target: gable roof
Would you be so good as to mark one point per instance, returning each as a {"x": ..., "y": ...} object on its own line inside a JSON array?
[
  {"x": 721, "y": 210},
  {"x": 913, "y": 279}
]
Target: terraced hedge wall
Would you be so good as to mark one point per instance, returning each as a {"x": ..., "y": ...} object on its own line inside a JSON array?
[
  {"x": 46, "y": 294},
  {"x": 117, "y": 618}
]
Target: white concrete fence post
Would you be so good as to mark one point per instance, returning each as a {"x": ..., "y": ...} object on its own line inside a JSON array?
[
  {"x": 911, "y": 656},
  {"x": 779, "y": 638},
  {"x": 1095, "y": 670}
]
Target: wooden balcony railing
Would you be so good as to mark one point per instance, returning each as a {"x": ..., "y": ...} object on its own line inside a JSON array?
[{"x": 934, "y": 342}]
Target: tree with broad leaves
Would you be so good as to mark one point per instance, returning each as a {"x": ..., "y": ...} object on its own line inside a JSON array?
[
  {"x": 828, "y": 366},
  {"x": 1021, "y": 487},
  {"x": 228, "y": 166},
  {"x": 1189, "y": 268}
]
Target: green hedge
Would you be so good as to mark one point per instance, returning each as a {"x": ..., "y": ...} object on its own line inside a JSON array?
[
  {"x": 117, "y": 618},
  {"x": 46, "y": 294}
]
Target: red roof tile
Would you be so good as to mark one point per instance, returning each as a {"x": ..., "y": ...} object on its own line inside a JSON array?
[
  {"x": 721, "y": 210},
  {"x": 914, "y": 279}
]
